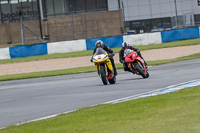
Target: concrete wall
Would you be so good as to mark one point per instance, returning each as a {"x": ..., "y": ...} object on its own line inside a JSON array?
[
  {"x": 4, "y": 53},
  {"x": 112, "y": 42},
  {"x": 182, "y": 34},
  {"x": 143, "y": 39},
  {"x": 89, "y": 44},
  {"x": 66, "y": 46},
  {"x": 84, "y": 26},
  {"x": 30, "y": 50}
]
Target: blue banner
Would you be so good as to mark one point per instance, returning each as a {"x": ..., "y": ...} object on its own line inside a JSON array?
[
  {"x": 182, "y": 34},
  {"x": 30, "y": 50},
  {"x": 112, "y": 42}
]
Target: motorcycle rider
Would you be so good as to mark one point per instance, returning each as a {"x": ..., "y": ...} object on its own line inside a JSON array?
[
  {"x": 125, "y": 45},
  {"x": 111, "y": 53}
]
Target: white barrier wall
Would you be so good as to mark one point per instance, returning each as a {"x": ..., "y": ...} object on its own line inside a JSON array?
[
  {"x": 143, "y": 39},
  {"x": 66, "y": 46},
  {"x": 155, "y": 38},
  {"x": 80, "y": 45},
  {"x": 4, "y": 53}
]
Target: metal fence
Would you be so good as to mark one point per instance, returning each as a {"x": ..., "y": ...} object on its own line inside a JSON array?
[
  {"x": 162, "y": 24},
  {"x": 64, "y": 28}
]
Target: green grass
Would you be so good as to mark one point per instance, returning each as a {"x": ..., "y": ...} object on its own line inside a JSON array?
[
  {"x": 89, "y": 52},
  {"x": 176, "y": 112},
  {"x": 85, "y": 69},
  {"x": 158, "y": 114}
]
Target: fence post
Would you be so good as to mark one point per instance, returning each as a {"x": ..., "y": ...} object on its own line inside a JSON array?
[
  {"x": 39, "y": 15},
  {"x": 123, "y": 15},
  {"x": 22, "y": 27}
]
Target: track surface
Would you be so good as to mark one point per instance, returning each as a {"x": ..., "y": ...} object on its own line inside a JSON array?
[{"x": 25, "y": 100}]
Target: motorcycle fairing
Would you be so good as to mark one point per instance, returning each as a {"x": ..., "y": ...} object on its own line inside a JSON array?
[
  {"x": 101, "y": 58},
  {"x": 133, "y": 56}
]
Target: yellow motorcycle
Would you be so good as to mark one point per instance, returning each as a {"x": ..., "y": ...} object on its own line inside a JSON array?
[{"x": 104, "y": 66}]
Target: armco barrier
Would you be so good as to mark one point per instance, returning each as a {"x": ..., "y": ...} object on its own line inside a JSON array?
[
  {"x": 25, "y": 51},
  {"x": 66, "y": 46},
  {"x": 181, "y": 34},
  {"x": 112, "y": 42},
  {"x": 143, "y": 39},
  {"x": 4, "y": 53}
]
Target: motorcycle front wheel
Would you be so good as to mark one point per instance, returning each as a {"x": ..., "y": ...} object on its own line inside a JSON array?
[
  {"x": 139, "y": 70},
  {"x": 103, "y": 75},
  {"x": 147, "y": 75}
]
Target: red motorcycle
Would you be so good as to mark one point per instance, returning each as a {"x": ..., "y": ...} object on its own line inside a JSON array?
[{"x": 135, "y": 63}]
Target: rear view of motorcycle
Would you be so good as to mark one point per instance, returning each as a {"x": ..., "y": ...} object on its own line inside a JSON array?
[
  {"x": 104, "y": 66},
  {"x": 135, "y": 63}
]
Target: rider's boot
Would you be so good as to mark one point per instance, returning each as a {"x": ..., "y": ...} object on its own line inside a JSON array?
[
  {"x": 115, "y": 70},
  {"x": 113, "y": 64},
  {"x": 143, "y": 59},
  {"x": 145, "y": 62},
  {"x": 126, "y": 69}
]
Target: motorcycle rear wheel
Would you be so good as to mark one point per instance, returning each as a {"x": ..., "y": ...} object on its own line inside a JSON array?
[
  {"x": 113, "y": 80},
  {"x": 103, "y": 75}
]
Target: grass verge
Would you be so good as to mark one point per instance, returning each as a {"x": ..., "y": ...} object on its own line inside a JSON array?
[
  {"x": 85, "y": 69},
  {"x": 89, "y": 52},
  {"x": 158, "y": 114}
]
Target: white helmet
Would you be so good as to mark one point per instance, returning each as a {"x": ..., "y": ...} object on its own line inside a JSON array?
[
  {"x": 125, "y": 45},
  {"x": 99, "y": 43}
]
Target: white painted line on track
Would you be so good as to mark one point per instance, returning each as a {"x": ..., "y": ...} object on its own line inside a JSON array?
[{"x": 169, "y": 89}]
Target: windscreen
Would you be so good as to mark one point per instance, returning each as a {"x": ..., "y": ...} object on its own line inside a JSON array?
[
  {"x": 99, "y": 51},
  {"x": 127, "y": 52}
]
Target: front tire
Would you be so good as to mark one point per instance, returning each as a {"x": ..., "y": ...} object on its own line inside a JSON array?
[
  {"x": 103, "y": 75},
  {"x": 147, "y": 75},
  {"x": 140, "y": 71}
]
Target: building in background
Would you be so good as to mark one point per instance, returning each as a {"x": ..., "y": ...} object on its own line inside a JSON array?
[
  {"x": 158, "y": 15},
  {"x": 71, "y": 19},
  {"x": 140, "y": 15},
  {"x": 9, "y": 9},
  {"x": 58, "y": 20}
]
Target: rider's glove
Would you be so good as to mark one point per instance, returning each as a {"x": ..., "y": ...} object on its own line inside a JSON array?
[{"x": 91, "y": 60}]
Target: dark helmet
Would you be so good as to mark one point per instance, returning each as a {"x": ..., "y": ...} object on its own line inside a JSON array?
[
  {"x": 125, "y": 45},
  {"x": 99, "y": 43}
]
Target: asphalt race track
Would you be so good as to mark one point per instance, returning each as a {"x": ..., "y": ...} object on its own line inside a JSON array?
[{"x": 25, "y": 100}]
